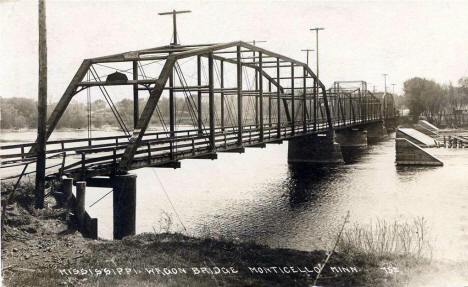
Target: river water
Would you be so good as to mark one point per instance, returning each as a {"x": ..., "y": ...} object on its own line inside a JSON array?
[{"x": 257, "y": 196}]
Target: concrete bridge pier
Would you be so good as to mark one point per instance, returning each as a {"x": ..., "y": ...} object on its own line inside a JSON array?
[
  {"x": 315, "y": 149},
  {"x": 376, "y": 132},
  {"x": 352, "y": 138},
  {"x": 391, "y": 124},
  {"x": 124, "y": 200}
]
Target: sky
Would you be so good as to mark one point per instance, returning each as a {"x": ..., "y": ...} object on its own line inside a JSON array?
[{"x": 361, "y": 41}]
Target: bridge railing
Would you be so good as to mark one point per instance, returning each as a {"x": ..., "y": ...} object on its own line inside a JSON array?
[
  {"x": 18, "y": 152},
  {"x": 150, "y": 152}
]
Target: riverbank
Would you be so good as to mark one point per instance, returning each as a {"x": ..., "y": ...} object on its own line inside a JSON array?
[{"x": 41, "y": 248}]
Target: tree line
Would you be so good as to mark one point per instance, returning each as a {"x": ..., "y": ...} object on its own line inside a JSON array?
[
  {"x": 432, "y": 100},
  {"x": 21, "y": 113}
]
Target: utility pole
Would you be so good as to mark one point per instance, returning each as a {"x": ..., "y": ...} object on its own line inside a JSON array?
[
  {"x": 385, "y": 82},
  {"x": 172, "y": 112},
  {"x": 307, "y": 54},
  {"x": 317, "y": 47},
  {"x": 316, "y": 88},
  {"x": 174, "y": 22},
  {"x": 254, "y": 42},
  {"x": 393, "y": 90},
  {"x": 41, "y": 110}
]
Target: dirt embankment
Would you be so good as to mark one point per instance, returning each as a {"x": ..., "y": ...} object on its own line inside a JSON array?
[{"x": 41, "y": 248}]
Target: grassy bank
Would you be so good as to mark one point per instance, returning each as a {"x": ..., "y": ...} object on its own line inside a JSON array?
[{"x": 41, "y": 248}]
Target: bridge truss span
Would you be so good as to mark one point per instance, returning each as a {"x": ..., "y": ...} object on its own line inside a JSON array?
[{"x": 234, "y": 95}]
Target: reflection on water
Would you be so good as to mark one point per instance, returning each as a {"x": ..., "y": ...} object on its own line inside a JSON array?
[
  {"x": 305, "y": 182},
  {"x": 352, "y": 155},
  {"x": 258, "y": 196}
]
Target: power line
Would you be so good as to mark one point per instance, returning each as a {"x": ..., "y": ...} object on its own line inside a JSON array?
[{"x": 168, "y": 198}]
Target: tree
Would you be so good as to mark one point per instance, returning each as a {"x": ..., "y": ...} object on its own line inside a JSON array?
[
  {"x": 462, "y": 93},
  {"x": 413, "y": 89},
  {"x": 424, "y": 97},
  {"x": 463, "y": 82}
]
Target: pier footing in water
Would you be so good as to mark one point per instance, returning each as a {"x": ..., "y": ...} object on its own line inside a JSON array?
[
  {"x": 352, "y": 138},
  {"x": 314, "y": 149},
  {"x": 124, "y": 205},
  {"x": 376, "y": 132}
]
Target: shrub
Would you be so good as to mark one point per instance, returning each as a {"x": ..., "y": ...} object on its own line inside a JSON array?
[{"x": 385, "y": 238}]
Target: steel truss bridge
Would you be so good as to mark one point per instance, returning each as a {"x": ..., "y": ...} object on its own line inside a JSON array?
[{"x": 235, "y": 95}]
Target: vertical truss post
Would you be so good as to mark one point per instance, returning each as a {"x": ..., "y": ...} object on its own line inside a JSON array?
[
  {"x": 255, "y": 93},
  {"x": 171, "y": 111},
  {"x": 155, "y": 94},
  {"x": 269, "y": 104},
  {"x": 375, "y": 109},
  {"x": 304, "y": 106},
  {"x": 136, "y": 112},
  {"x": 338, "y": 108},
  {"x": 222, "y": 94},
  {"x": 211, "y": 101},
  {"x": 171, "y": 103},
  {"x": 278, "y": 104},
  {"x": 260, "y": 87},
  {"x": 199, "y": 96},
  {"x": 360, "y": 106},
  {"x": 367, "y": 107},
  {"x": 343, "y": 107},
  {"x": 293, "y": 108},
  {"x": 380, "y": 109},
  {"x": 239, "y": 96},
  {"x": 315, "y": 104}
]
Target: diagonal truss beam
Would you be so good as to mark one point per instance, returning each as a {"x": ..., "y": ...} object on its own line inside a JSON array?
[
  {"x": 145, "y": 117},
  {"x": 64, "y": 102}
]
